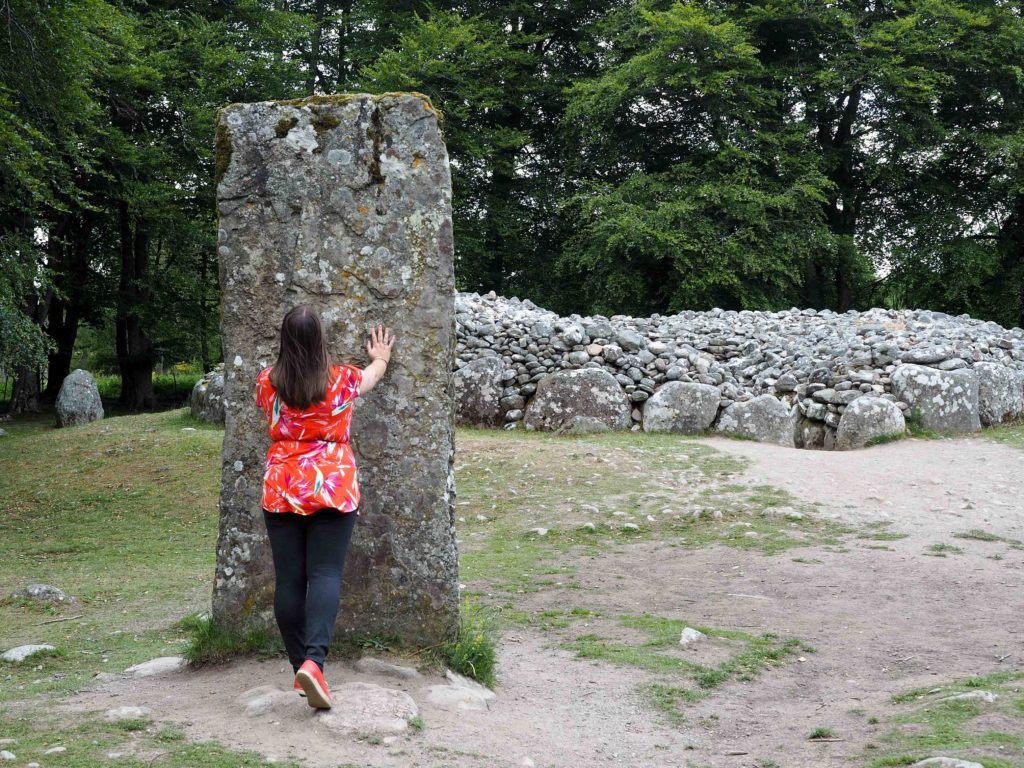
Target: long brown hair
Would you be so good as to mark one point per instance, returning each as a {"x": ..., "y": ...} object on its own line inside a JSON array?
[{"x": 303, "y": 365}]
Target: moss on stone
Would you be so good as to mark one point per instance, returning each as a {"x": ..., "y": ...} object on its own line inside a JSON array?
[
  {"x": 284, "y": 125},
  {"x": 323, "y": 122},
  {"x": 222, "y": 152},
  {"x": 345, "y": 98}
]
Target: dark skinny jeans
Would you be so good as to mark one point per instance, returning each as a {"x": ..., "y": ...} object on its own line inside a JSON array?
[{"x": 309, "y": 558}]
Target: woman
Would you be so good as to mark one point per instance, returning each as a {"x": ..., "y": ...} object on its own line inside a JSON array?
[{"x": 310, "y": 485}]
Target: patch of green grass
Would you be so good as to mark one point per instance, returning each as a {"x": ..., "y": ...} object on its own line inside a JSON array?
[
  {"x": 883, "y": 439},
  {"x": 667, "y": 698},
  {"x": 141, "y": 743},
  {"x": 934, "y": 724},
  {"x": 753, "y": 653},
  {"x": 978, "y": 535},
  {"x": 941, "y": 550},
  {"x": 821, "y": 733},
  {"x": 1010, "y": 434},
  {"x": 129, "y": 527}
]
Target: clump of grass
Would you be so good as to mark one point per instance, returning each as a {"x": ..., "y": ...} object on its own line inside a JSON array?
[
  {"x": 916, "y": 428},
  {"x": 941, "y": 550},
  {"x": 472, "y": 652},
  {"x": 210, "y": 643},
  {"x": 666, "y": 699},
  {"x": 892, "y": 437},
  {"x": 977, "y": 535},
  {"x": 821, "y": 733}
]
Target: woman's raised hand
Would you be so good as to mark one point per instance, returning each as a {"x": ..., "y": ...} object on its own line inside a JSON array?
[{"x": 378, "y": 347}]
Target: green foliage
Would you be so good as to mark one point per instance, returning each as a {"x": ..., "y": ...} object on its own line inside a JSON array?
[
  {"x": 211, "y": 643},
  {"x": 472, "y": 652}
]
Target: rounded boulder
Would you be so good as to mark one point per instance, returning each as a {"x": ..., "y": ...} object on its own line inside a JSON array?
[
  {"x": 680, "y": 406},
  {"x": 867, "y": 419},
  {"x": 563, "y": 396},
  {"x": 78, "y": 401}
]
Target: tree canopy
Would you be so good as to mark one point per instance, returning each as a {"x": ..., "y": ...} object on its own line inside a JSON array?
[{"x": 607, "y": 157}]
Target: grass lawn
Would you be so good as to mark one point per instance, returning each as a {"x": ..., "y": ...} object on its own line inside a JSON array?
[{"x": 122, "y": 514}]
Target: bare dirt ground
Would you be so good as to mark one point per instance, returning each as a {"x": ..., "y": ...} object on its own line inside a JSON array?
[{"x": 884, "y": 615}]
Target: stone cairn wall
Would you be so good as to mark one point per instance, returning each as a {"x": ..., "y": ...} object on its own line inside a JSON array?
[
  {"x": 801, "y": 378},
  {"x": 343, "y": 202}
]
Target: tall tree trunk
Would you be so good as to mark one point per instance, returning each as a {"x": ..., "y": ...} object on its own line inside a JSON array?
[
  {"x": 204, "y": 336},
  {"x": 344, "y": 32},
  {"x": 1011, "y": 247},
  {"x": 63, "y": 329},
  {"x": 134, "y": 348},
  {"x": 315, "y": 46},
  {"x": 838, "y": 148}
]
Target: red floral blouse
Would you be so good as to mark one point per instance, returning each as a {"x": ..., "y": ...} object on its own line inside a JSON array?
[{"x": 310, "y": 464}]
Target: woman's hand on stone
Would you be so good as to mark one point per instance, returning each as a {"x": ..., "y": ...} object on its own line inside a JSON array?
[{"x": 379, "y": 345}]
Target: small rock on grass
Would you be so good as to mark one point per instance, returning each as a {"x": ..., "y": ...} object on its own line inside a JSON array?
[
  {"x": 127, "y": 713},
  {"x": 986, "y": 696},
  {"x": 945, "y": 762},
  {"x": 690, "y": 635},
  {"x": 44, "y": 593},
  {"x": 23, "y": 652},
  {"x": 7, "y": 755},
  {"x": 158, "y": 666},
  {"x": 55, "y": 750}
]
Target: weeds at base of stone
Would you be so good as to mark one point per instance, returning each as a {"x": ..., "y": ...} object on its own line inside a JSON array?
[
  {"x": 210, "y": 643},
  {"x": 472, "y": 653}
]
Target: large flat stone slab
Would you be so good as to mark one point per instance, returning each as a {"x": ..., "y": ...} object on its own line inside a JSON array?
[{"x": 344, "y": 203}]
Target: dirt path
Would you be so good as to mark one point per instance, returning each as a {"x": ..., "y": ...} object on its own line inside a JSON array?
[
  {"x": 923, "y": 487},
  {"x": 884, "y": 615}
]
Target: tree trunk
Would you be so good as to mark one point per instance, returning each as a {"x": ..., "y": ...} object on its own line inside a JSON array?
[
  {"x": 25, "y": 392},
  {"x": 134, "y": 348},
  {"x": 63, "y": 329},
  {"x": 315, "y": 45}
]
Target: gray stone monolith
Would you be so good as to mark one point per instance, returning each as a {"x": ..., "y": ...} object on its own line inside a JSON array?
[{"x": 343, "y": 202}]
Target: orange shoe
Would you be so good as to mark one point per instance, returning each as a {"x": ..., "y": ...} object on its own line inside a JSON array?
[
  {"x": 312, "y": 681},
  {"x": 298, "y": 688}
]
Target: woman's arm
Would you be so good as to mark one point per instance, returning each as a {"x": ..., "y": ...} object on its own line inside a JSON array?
[{"x": 378, "y": 347}]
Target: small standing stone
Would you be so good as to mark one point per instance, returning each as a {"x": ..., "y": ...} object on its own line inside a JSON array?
[{"x": 78, "y": 401}]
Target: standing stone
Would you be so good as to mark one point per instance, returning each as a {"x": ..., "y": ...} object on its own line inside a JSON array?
[
  {"x": 207, "y": 398},
  {"x": 343, "y": 202},
  {"x": 679, "y": 406},
  {"x": 78, "y": 401},
  {"x": 478, "y": 393},
  {"x": 563, "y": 396},
  {"x": 867, "y": 419},
  {"x": 945, "y": 401}
]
